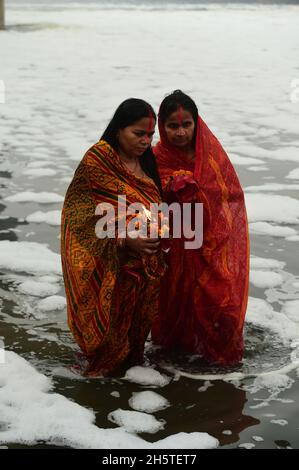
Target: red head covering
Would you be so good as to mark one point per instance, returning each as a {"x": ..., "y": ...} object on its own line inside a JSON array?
[{"x": 205, "y": 291}]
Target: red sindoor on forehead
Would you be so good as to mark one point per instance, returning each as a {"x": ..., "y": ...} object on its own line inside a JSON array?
[
  {"x": 151, "y": 120},
  {"x": 180, "y": 114}
]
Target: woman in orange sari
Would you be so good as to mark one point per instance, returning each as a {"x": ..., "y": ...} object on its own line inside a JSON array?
[
  {"x": 205, "y": 291},
  {"x": 112, "y": 282}
]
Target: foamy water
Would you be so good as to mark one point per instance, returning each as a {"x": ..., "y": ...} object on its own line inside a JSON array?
[{"x": 64, "y": 70}]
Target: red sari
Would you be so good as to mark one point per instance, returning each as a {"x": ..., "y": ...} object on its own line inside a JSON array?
[{"x": 204, "y": 293}]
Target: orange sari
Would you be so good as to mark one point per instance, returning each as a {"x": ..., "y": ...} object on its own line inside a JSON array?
[
  {"x": 111, "y": 299},
  {"x": 204, "y": 293}
]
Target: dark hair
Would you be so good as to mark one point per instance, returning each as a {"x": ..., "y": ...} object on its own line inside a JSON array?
[
  {"x": 129, "y": 112},
  {"x": 173, "y": 102}
]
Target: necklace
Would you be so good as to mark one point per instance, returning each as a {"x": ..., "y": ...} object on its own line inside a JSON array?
[
  {"x": 135, "y": 168},
  {"x": 128, "y": 168}
]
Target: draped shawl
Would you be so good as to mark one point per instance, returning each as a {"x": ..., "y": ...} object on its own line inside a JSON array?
[
  {"x": 91, "y": 266},
  {"x": 205, "y": 291}
]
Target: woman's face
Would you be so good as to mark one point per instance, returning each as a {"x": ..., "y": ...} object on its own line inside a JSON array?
[
  {"x": 135, "y": 139},
  {"x": 179, "y": 128}
]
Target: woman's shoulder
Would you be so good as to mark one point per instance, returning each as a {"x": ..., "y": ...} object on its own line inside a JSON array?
[{"x": 96, "y": 153}]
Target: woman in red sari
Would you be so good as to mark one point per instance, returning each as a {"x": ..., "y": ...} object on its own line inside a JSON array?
[
  {"x": 204, "y": 293},
  {"x": 112, "y": 283}
]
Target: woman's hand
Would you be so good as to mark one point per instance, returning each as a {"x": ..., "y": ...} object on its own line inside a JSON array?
[
  {"x": 143, "y": 246},
  {"x": 185, "y": 188}
]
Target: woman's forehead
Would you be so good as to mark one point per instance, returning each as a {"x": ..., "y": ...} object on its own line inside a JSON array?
[
  {"x": 146, "y": 123},
  {"x": 179, "y": 115}
]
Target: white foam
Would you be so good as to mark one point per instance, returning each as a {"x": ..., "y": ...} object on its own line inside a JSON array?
[
  {"x": 37, "y": 164},
  {"x": 146, "y": 376},
  {"x": 272, "y": 187},
  {"x": 264, "y": 279},
  {"x": 291, "y": 310},
  {"x": 51, "y": 217},
  {"x": 257, "y": 262},
  {"x": 258, "y": 168},
  {"x": 289, "y": 153},
  {"x": 31, "y": 412},
  {"x": 183, "y": 440},
  {"x": 50, "y": 279},
  {"x": 75, "y": 147},
  {"x": 38, "y": 172},
  {"x": 230, "y": 377},
  {"x": 247, "y": 445},
  {"x": 61, "y": 371},
  {"x": 293, "y": 175},
  {"x": 272, "y": 381},
  {"x": 237, "y": 160},
  {"x": 285, "y": 400},
  {"x": 272, "y": 208},
  {"x": 281, "y": 422},
  {"x": 261, "y": 313},
  {"x": 30, "y": 257},
  {"x": 30, "y": 196},
  {"x": 54, "y": 302},
  {"x": 134, "y": 421},
  {"x": 29, "y": 234},
  {"x": 38, "y": 289},
  {"x": 264, "y": 228},
  {"x": 66, "y": 179},
  {"x": 207, "y": 384},
  {"x": 148, "y": 402},
  {"x": 293, "y": 238},
  {"x": 258, "y": 438}
]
